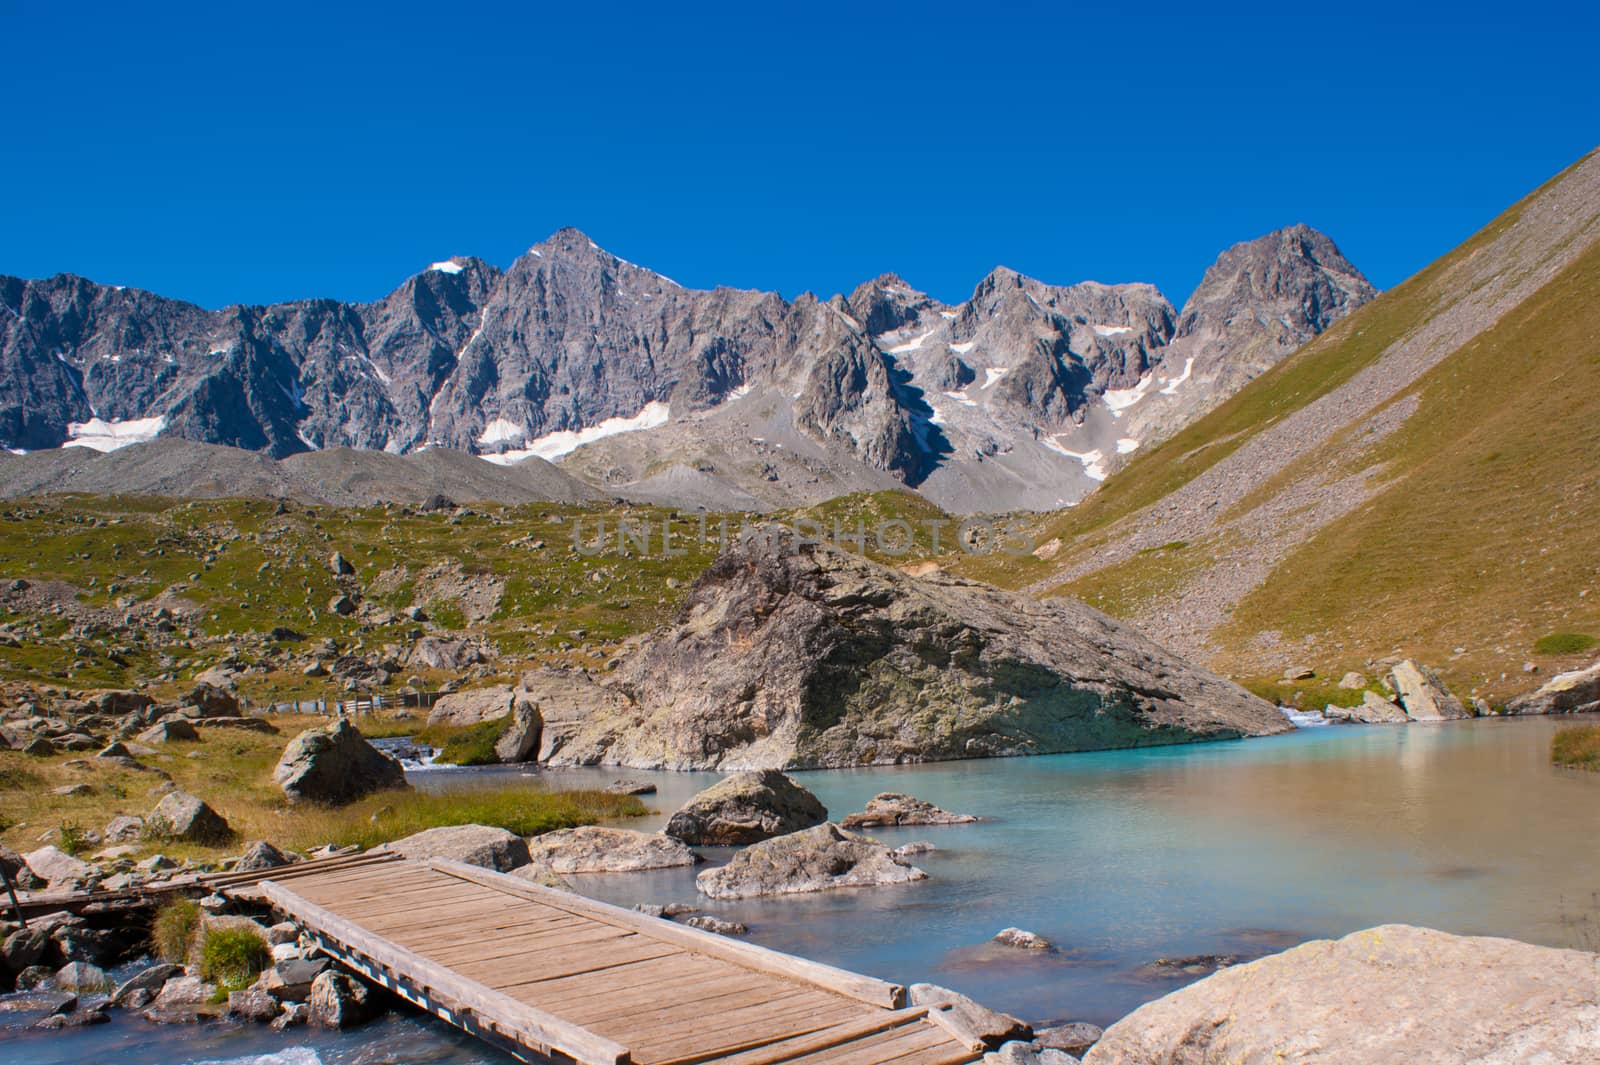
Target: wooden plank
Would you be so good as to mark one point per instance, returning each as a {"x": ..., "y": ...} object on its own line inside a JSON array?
[
  {"x": 566, "y": 962},
  {"x": 731, "y": 1042},
  {"x": 705, "y": 1001},
  {"x": 536, "y": 1027},
  {"x": 853, "y": 985},
  {"x": 838, "y": 1035},
  {"x": 624, "y": 983},
  {"x": 880, "y": 1049},
  {"x": 446, "y": 931},
  {"x": 763, "y": 1017}
]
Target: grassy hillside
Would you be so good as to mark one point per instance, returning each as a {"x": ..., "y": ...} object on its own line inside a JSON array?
[
  {"x": 1486, "y": 533},
  {"x": 230, "y": 572},
  {"x": 1472, "y": 543}
]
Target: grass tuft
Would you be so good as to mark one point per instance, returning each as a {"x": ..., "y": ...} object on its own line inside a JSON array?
[
  {"x": 1576, "y": 748},
  {"x": 232, "y": 958},
  {"x": 466, "y": 744},
  {"x": 174, "y": 929},
  {"x": 523, "y": 810},
  {"x": 1564, "y": 643}
]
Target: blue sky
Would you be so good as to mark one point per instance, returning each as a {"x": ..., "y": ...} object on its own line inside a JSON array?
[{"x": 253, "y": 153}]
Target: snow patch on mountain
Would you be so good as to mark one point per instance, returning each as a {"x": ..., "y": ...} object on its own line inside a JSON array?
[
  {"x": 101, "y": 435},
  {"x": 565, "y": 441}
]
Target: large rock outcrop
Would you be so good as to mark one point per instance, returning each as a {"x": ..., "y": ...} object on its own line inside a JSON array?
[
  {"x": 789, "y": 654},
  {"x": 1423, "y": 695},
  {"x": 747, "y": 808},
  {"x": 824, "y": 858},
  {"x": 335, "y": 764},
  {"x": 1388, "y": 994},
  {"x": 1573, "y": 692}
]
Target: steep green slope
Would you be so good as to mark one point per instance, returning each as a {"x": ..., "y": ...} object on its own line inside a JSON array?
[{"x": 1442, "y": 505}]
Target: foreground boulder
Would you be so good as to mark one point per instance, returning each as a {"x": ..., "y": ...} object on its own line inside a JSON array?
[
  {"x": 492, "y": 848},
  {"x": 339, "y": 1000},
  {"x": 823, "y": 858},
  {"x": 181, "y": 816},
  {"x": 744, "y": 809},
  {"x": 788, "y": 654},
  {"x": 593, "y": 849},
  {"x": 1423, "y": 694},
  {"x": 334, "y": 765},
  {"x": 1388, "y": 994},
  {"x": 890, "y": 809},
  {"x": 1575, "y": 692}
]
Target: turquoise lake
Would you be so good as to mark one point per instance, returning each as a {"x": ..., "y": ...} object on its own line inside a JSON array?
[{"x": 1120, "y": 858}]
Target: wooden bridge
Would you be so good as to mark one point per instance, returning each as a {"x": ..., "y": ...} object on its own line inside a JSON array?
[{"x": 551, "y": 976}]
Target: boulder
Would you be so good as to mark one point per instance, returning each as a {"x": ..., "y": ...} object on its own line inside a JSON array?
[
  {"x": 792, "y": 654},
  {"x": 746, "y": 808},
  {"x": 150, "y": 979},
  {"x": 472, "y": 707},
  {"x": 1352, "y": 681},
  {"x": 169, "y": 730},
  {"x": 1423, "y": 695},
  {"x": 253, "y": 1004},
  {"x": 291, "y": 981},
  {"x": 520, "y": 741},
  {"x": 212, "y": 700},
  {"x": 706, "y": 923},
  {"x": 593, "y": 849},
  {"x": 342, "y": 605},
  {"x": 124, "y": 829},
  {"x": 1376, "y": 710},
  {"x": 58, "y": 868},
  {"x": 82, "y": 978},
  {"x": 975, "y": 1023},
  {"x": 339, "y": 1000},
  {"x": 180, "y": 991},
  {"x": 182, "y": 816},
  {"x": 1574, "y": 692},
  {"x": 1404, "y": 994},
  {"x": 629, "y": 787},
  {"x": 334, "y": 764},
  {"x": 23, "y": 948},
  {"x": 891, "y": 808},
  {"x": 824, "y": 858},
  {"x": 1022, "y": 939},
  {"x": 491, "y": 848},
  {"x": 261, "y": 855},
  {"x": 340, "y": 566},
  {"x": 431, "y": 652},
  {"x": 1074, "y": 1038}
]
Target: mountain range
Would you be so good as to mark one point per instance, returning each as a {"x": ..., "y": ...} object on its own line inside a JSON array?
[{"x": 1023, "y": 396}]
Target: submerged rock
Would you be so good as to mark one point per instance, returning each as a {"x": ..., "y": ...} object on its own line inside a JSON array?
[
  {"x": 1404, "y": 994},
  {"x": 335, "y": 764},
  {"x": 891, "y": 808},
  {"x": 792, "y": 654},
  {"x": 593, "y": 849},
  {"x": 744, "y": 809},
  {"x": 491, "y": 848},
  {"x": 1024, "y": 940},
  {"x": 824, "y": 858}
]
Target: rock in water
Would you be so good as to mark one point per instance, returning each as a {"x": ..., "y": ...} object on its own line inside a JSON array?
[
  {"x": 1575, "y": 692},
  {"x": 1405, "y": 995},
  {"x": 1021, "y": 939},
  {"x": 744, "y": 809},
  {"x": 1423, "y": 695},
  {"x": 335, "y": 764},
  {"x": 592, "y": 849},
  {"x": 793, "y": 654},
  {"x": 184, "y": 817},
  {"x": 891, "y": 808},
  {"x": 492, "y": 848},
  {"x": 341, "y": 1001},
  {"x": 817, "y": 859},
  {"x": 520, "y": 741}
]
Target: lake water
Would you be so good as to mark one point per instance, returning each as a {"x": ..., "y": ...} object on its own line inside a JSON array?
[{"x": 1121, "y": 858}]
